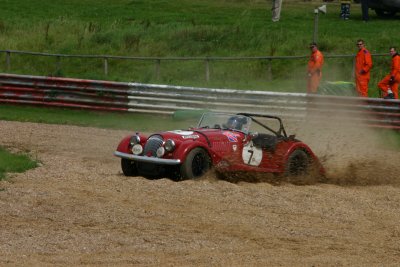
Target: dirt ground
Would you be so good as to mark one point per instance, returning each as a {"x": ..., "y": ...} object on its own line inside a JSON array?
[{"x": 78, "y": 209}]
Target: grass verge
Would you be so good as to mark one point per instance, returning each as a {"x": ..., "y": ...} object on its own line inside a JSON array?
[
  {"x": 10, "y": 163},
  {"x": 109, "y": 120}
]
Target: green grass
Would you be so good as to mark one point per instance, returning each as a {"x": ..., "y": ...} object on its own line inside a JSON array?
[
  {"x": 390, "y": 139},
  {"x": 110, "y": 120},
  {"x": 10, "y": 163},
  {"x": 184, "y": 28}
]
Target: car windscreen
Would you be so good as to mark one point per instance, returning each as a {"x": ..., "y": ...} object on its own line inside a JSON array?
[{"x": 225, "y": 121}]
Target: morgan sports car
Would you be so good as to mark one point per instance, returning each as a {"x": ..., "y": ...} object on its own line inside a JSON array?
[{"x": 229, "y": 143}]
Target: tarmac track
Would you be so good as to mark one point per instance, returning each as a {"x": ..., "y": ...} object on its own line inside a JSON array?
[{"x": 78, "y": 209}]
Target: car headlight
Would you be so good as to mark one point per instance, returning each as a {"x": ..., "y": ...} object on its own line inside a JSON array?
[
  {"x": 160, "y": 152},
  {"x": 137, "y": 149},
  {"x": 169, "y": 145},
  {"x": 135, "y": 139}
]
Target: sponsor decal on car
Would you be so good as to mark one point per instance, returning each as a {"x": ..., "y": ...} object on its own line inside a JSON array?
[{"x": 232, "y": 137}]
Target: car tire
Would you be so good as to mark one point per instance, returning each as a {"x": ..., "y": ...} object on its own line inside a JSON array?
[
  {"x": 385, "y": 13},
  {"x": 129, "y": 167},
  {"x": 196, "y": 164},
  {"x": 297, "y": 164}
]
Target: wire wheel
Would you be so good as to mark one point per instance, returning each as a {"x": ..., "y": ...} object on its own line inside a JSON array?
[{"x": 196, "y": 164}]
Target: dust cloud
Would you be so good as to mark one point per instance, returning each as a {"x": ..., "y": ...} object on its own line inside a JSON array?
[{"x": 352, "y": 152}]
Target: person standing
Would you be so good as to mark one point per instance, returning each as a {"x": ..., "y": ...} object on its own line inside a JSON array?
[
  {"x": 364, "y": 10},
  {"x": 389, "y": 85},
  {"x": 314, "y": 69},
  {"x": 362, "y": 69},
  {"x": 276, "y": 10},
  {"x": 345, "y": 9}
]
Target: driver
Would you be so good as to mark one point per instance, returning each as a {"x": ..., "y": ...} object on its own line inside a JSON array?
[{"x": 236, "y": 123}]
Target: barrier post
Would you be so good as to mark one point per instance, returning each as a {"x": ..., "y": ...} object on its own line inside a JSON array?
[
  {"x": 105, "y": 66},
  {"x": 207, "y": 62},
  {"x": 269, "y": 69},
  {"x": 8, "y": 60},
  {"x": 58, "y": 64},
  {"x": 157, "y": 69}
]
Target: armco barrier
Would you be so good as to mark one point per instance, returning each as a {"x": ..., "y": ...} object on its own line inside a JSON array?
[{"x": 166, "y": 99}]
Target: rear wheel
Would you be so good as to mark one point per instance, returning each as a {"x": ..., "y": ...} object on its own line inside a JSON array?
[
  {"x": 196, "y": 164},
  {"x": 129, "y": 167},
  {"x": 302, "y": 170},
  {"x": 298, "y": 163}
]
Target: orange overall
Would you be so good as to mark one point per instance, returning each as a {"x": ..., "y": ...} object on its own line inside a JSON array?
[
  {"x": 392, "y": 80},
  {"x": 362, "y": 71},
  {"x": 314, "y": 71}
]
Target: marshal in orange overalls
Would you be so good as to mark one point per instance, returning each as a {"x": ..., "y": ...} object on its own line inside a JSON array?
[
  {"x": 314, "y": 70},
  {"x": 362, "y": 71},
  {"x": 392, "y": 80}
]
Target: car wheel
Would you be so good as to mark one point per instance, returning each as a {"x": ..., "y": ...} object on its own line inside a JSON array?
[
  {"x": 129, "y": 167},
  {"x": 384, "y": 13},
  {"x": 196, "y": 164},
  {"x": 298, "y": 163}
]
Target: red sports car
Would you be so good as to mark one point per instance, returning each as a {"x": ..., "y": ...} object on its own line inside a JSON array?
[{"x": 227, "y": 142}]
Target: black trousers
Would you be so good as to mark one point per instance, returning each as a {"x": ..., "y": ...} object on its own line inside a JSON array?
[{"x": 364, "y": 9}]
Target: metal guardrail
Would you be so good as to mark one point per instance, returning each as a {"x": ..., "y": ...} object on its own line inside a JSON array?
[{"x": 167, "y": 99}]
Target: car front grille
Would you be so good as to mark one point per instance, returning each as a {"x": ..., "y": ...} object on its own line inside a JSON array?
[{"x": 152, "y": 144}]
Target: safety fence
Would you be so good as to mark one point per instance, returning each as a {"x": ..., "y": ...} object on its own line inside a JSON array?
[
  {"x": 207, "y": 61},
  {"x": 167, "y": 99}
]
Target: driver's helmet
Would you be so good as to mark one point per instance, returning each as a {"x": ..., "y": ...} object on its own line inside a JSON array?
[{"x": 236, "y": 122}]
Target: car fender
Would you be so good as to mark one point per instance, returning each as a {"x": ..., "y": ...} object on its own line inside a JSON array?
[
  {"x": 123, "y": 146},
  {"x": 297, "y": 145},
  {"x": 185, "y": 147},
  {"x": 307, "y": 149}
]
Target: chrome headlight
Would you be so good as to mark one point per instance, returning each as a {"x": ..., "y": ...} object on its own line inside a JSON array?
[
  {"x": 135, "y": 139},
  {"x": 169, "y": 145},
  {"x": 160, "y": 152},
  {"x": 137, "y": 149}
]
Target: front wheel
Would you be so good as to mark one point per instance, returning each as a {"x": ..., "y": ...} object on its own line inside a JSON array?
[
  {"x": 129, "y": 167},
  {"x": 196, "y": 164}
]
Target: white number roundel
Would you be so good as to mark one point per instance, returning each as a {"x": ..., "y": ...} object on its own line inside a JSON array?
[{"x": 252, "y": 155}]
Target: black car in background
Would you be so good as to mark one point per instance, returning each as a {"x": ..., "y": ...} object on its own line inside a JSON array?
[{"x": 384, "y": 8}]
